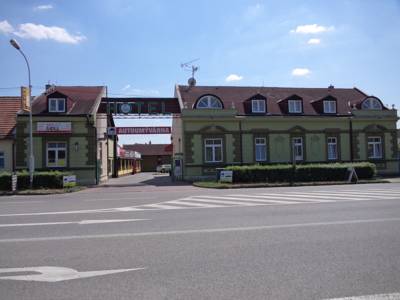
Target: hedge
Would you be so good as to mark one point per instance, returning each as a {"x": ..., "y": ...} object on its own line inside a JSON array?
[
  {"x": 301, "y": 172},
  {"x": 50, "y": 179}
]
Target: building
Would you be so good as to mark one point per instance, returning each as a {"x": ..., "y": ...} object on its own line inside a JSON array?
[
  {"x": 228, "y": 125},
  {"x": 68, "y": 133},
  {"x": 9, "y": 106},
  {"x": 152, "y": 155},
  {"x": 128, "y": 161}
]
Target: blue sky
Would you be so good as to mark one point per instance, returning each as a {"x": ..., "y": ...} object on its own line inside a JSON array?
[{"x": 136, "y": 47}]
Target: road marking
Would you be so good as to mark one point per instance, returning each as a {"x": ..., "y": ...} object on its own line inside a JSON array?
[
  {"x": 194, "y": 231},
  {"x": 120, "y": 199},
  {"x": 357, "y": 194},
  {"x": 56, "y": 274},
  {"x": 394, "y": 296},
  {"x": 241, "y": 197},
  {"x": 83, "y": 222},
  {"x": 233, "y": 201},
  {"x": 187, "y": 203},
  {"x": 293, "y": 200}
]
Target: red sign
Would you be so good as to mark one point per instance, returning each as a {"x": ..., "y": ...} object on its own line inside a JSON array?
[{"x": 143, "y": 130}]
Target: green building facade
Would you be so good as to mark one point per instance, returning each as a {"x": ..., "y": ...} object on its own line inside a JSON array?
[{"x": 222, "y": 126}]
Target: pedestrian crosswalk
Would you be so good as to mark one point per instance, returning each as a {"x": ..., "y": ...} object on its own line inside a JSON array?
[{"x": 256, "y": 199}]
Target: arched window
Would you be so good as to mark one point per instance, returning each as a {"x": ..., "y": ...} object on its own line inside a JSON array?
[
  {"x": 371, "y": 103},
  {"x": 209, "y": 101}
]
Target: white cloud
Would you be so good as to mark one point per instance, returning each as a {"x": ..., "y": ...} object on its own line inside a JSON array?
[
  {"x": 126, "y": 87},
  {"x": 43, "y": 7},
  {"x": 314, "y": 41},
  {"x": 301, "y": 72},
  {"x": 6, "y": 27},
  {"x": 233, "y": 77},
  {"x": 42, "y": 32},
  {"x": 312, "y": 29}
]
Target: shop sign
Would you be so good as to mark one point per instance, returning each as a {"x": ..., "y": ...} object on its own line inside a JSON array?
[
  {"x": 54, "y": 127},
  {"x": 143, "y": 130},
  {"x": 226, "y": 176},
  {"x": 69, "y": 181},
  {"x": 150, "y": 106}
]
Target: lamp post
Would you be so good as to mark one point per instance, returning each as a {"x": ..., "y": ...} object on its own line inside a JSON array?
[{"x": 15, "y": 44}]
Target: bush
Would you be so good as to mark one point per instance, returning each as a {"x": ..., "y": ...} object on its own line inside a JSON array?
[
  {"x": 301, "y": 173},
  {"x": 50, "y": 180}
]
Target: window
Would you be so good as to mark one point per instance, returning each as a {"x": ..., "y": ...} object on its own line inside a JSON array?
[
  {"x": 258, "y": 106},
  {"x": 213, "y": 150},
  {"x": 372, "y": 103},
  {"x": 329, "y": 106},
  {"x": 56, "y": 154},
  {"x": 56, "y": 105},
  {"x": 261, "y": 149},
  {"x": 298, "y": 148},
  {"x": 295, "y": 106},
  {"x": 375, "y": 147},
  {"x": 332, "y": 148},
  {"x": 209, "y": 102},
  {"x": 1, "y": 160}
]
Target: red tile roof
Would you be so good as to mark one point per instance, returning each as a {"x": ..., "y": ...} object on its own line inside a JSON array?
[
  {"x": 150, "y": 149},
  {"x": 9, "y": 106},
  {"x": 239, "y": 97},
  {"x": 80, "y": 99}
]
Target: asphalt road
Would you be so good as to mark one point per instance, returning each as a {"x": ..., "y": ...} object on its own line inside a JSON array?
[{"x": 179, "y": 242}]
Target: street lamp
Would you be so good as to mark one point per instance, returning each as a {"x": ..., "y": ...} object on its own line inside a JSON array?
[{"x": 15, "y": 44}]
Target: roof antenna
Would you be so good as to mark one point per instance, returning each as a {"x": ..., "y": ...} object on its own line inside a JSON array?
[{"x": 189, "y": 66}]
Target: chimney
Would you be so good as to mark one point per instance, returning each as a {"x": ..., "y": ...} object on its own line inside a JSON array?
[
  {"x": 47, "y": 86},
  {"x": 331, "y": 87}
]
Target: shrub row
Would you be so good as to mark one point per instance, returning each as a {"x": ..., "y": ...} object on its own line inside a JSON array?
[
  {"x": 301, "y": 172},
  {"x": 50, "y": 180}
]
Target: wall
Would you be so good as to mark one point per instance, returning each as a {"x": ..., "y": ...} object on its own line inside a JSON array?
[{"x": 6, "y": 146}]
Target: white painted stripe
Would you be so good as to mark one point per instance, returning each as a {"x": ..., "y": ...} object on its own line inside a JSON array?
[
  {"x": 358, "y": 193},
  {"x": 212, "y": 200},
  {"x": 158, "y": 206},
  {"x": 129, "y": 208},
  {"x": 188, "y": 204},
  {"x": 394, "y": 296},
  {"x": 328, "y": 198},
  {"x": 242, "y": 198},
  {"x": 194, "y": 231},
  {"x": 293, "y": 199},
  {"x": 83, "y": 222}
]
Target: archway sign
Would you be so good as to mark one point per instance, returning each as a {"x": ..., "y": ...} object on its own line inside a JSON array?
[{"x": 134, "y": 107}]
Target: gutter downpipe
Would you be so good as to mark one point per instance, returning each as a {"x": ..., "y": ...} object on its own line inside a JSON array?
[{"x": 240, "y": 142}]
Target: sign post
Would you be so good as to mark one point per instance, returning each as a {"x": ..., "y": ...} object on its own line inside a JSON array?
[
  {"x": 14, "y": 182},
  {"x": 226, "y": 176},
  {"x": 69, "y": 181},
  {"x": 352, "y": 174}
]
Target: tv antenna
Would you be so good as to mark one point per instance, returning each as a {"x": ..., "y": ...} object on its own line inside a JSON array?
[{"x": 189, "y": 66}]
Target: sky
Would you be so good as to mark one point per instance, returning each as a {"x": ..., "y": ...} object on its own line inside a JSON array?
[{"x": 136, "y": 48}]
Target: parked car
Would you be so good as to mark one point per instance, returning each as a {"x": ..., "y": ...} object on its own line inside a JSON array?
[{"x": 164, "y": 168}]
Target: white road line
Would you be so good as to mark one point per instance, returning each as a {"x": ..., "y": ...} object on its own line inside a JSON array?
[
  {"x": 187, "y": 203},
  {"x": 157, "y": 206},
  {"x": 200, "y": 231},
  {"x": 242, "y": 198},
  {"x": 328, "y": 198},
  {"x": 120, "y": 199},
  {"x": 394, "y": 296},
  {"x": 212, "y": 200},
  {"x": 293, "y": 199},
  {"x": 362, "y": 194},
  {"x": 83, "y": 222}
]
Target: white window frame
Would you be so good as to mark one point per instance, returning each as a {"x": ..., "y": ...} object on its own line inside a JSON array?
[
  {"x": 295, "y": 106},
  {"x": 332, "y": 142},
  {"x": 260, "y": 142},
  {"x": 209, "y": 100},
  {"x": 214, "y": 148},
  {"x": 298, "y": 144},
  {"x": 3, "y": 159},
  {"x": 371, "y": 104},
  {"x": 56, "y": 149},
  {"x": 258, "y": 106},
  {"x": 330, "y": 106},
  {"x": 377, "y": 148},
  {"x": 57, "y": 101}
]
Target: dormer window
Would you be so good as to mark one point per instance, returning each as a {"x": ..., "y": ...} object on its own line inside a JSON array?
[
  {"x": 210, "y": 102},
  {"x": 56, "y": 105},
  {"x": 372, "y": 104},
  {"x": 258, "y": 106},
  {"x": 295, "y": 106},
  {"x": 329, "y": 106}
]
